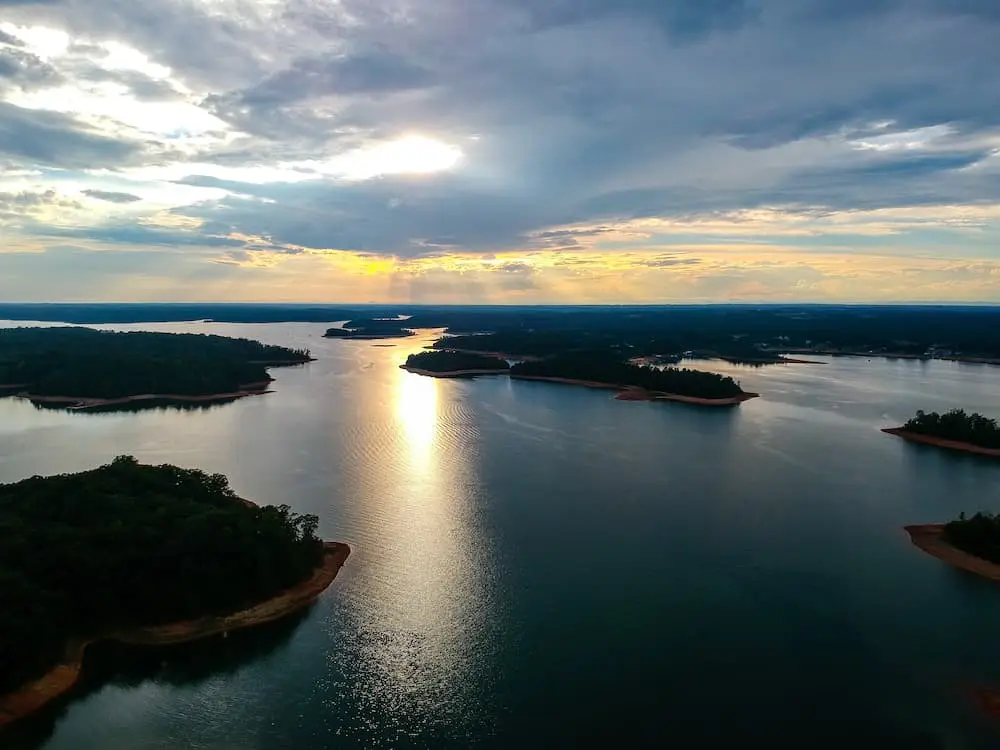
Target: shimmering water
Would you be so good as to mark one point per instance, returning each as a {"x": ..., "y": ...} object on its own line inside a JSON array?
[{"x": 542, "y": 566}]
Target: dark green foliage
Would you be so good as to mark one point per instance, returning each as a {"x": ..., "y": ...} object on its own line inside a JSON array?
[
  {"x": 979, "y": 535},
  {"x": 529, "y": 343},
  {"x": 128, "y": 544},
  {"x": 737, "y": 331},
  {"x": 371, "y": 328},
  {"x": 85, "y": 363},
  {"x": 605, "y": 369},
  {"x": 957, "y": 425},
  {"x": 439, "y": 361}
]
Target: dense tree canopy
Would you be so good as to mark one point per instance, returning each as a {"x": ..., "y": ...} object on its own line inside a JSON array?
[
  {"x": 598, "y": 367},
  {"x": 371, "y": 328},
  {"x": 86, "y": 363},
  {"x": 448, "y": 361},
  {"x": 743, "y": 332},
  {"x": 957, "y": 425},
  {"x": 978, "y": 535},
  {"x": 129, "y": 544}
]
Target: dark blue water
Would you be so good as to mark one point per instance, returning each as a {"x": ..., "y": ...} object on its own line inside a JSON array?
[{"x": 542, "y": 566}]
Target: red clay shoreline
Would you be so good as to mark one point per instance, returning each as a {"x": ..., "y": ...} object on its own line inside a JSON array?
[
  {"x": 57, "y": 681},
  {"x": 626, "y": 392},
  {"x": 954, "y": 445},
  {"x": 634, "y": 393},
  {"x": 451, "y": 373},
  {"x": 929, "y": 537},
  {"x": 79, "y": 403}
]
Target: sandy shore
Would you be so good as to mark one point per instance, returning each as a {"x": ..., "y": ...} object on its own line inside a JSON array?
[
  {"x": 634, "y": 393},
  {"x": 451, "y": 373},
  {"x": 77, "y": 403},
  {"x": 930, "y": 538},
  {"x": 62, "y": 677},
  {"x": 955, "y": 445}
]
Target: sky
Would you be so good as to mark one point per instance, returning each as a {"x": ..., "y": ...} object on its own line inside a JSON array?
[{"x": 500, "y": 151}]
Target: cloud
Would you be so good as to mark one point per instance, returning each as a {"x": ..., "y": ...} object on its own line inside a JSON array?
[
  {"x": 53, "y": 139},
  {"x": 111, "y": 196},
  {"x": 29, "y": 205},
  {"x": 631, "y": 131}
]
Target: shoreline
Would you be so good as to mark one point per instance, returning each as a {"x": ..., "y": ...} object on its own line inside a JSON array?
[
  {"x": 498, "y": 355},
  {"x": 81, "y": 403},
  {"x": 929, "y": 538},
  {"x": 635, "y": 393},
  {"x": 372, "y": 336},
  {"x": 954, "y": 445},
  {"x": 36, "y": 694},
  {"x": 452, "y": 373},
  {"x": 895, "y": 355}
]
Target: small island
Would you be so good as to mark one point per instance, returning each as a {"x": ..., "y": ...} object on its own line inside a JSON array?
[
  {"x": 955, "y": 430},
  {"x": 452, "y": 364},
  {"x": 970, "y": 543},
  {"x": 635, "y": 382},
  {"x": 83, "y": 368},
  {"x": 371, "y": 329},
  {"x": 145, "y": 555}
]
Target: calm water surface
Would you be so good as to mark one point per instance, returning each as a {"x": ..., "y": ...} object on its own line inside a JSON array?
[{"x": 542, "y": 566}]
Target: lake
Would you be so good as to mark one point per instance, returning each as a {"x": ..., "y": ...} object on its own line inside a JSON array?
[{"x": 537, "y": 565}]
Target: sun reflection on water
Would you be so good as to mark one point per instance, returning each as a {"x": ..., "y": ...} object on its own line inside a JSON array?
[{"x": 417, "y": 412}]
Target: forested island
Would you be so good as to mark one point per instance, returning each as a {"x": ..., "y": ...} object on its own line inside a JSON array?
[
  {"x": 87, "y": 368},
  {"x": 368, "y": 329},
  {"x": 454, "y": 364},
  {"x": 637, "y": 382},
  {"x": 955, "y": 429},
  {"x": 144, "y": 555}
]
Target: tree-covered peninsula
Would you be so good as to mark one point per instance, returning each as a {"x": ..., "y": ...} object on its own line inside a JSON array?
[
  {"x": 599, "y": 368},
  {"x": 129, "y": 546},
  {"x": 956, "y": 425},
  {"x": 83, "y": 363},
  {"x": 451, "y": 362},
  {"x": 371, "y": 329},
  {"x": 978, "y": 535}
]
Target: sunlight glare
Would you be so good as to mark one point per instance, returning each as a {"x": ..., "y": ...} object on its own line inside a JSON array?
[
  {"x": 412, "y": 154},
  {"x": 416, "y": 410}
]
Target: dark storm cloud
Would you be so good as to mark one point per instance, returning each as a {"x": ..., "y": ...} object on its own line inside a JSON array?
[
  {"x": 25, "y": 69},
  {"x": 139, "y": 235},
  {"x": 53, "y": 139},
  {"x": 111, "y": 196},
  {"x": 681, "y": 18},
  {"x": 6, "y": 38},
  {"x": 368, "y": 73}
]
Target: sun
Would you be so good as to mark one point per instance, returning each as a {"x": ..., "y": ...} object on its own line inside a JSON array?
[{"x": 411, "y": 154}]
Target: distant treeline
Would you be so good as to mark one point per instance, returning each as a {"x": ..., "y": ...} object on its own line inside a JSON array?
[
  {"x": 743, "y": 332},
  {"x": 128, "y": 545},
  {"x": 737, "y": 332},
  {"x": 957, "y": 425},
  {"x": 86, "y": 363},
  {"x": 439, "y": 361},
  {"x": 603, "y": 369},
  {"x": 978, "y": 535}
]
